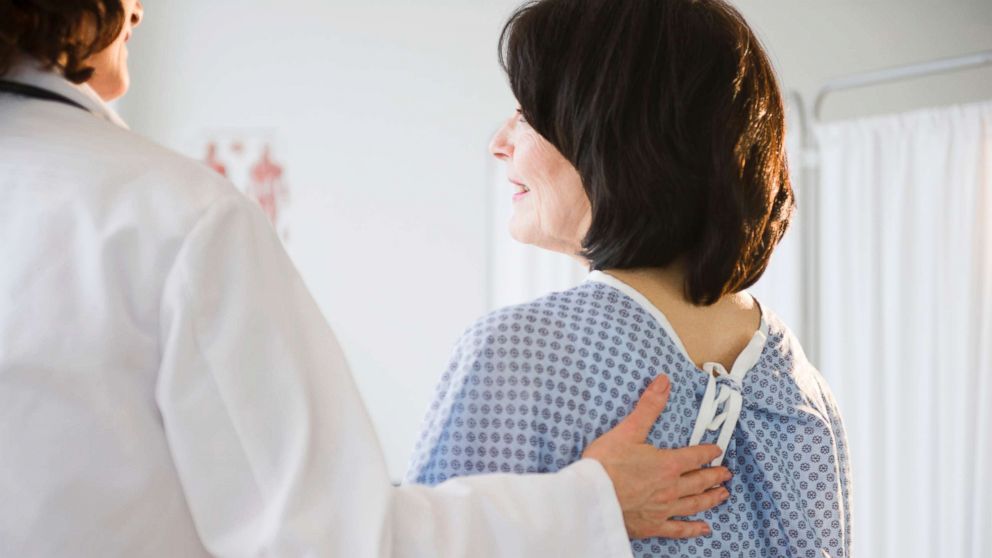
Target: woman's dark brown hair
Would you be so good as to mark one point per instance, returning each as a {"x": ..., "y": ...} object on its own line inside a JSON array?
[
  {"x": 60, "y": 34},
  {"x": 672, "y": 115}
]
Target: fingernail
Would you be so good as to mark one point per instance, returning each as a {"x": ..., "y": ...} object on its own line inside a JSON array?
[
  {"x": 707, "y": 531},
  {"x": 724, "y": 494},
  {"x": 661, "y": 385}
]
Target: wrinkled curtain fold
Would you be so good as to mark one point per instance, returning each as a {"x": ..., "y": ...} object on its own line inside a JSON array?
[{"x": 905, "y": 264}]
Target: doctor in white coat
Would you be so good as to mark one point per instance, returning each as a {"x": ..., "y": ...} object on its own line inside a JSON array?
[{"x": 169, "y": 388}]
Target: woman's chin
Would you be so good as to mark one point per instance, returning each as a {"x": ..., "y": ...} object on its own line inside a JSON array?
[
  {"x": 116, "y": 93},
  {"x": 110, "y": 89},
  {"x": 524, "y": 225},
  {"x": 526, "y": 235},
  {"x": 520, "y": 236}
]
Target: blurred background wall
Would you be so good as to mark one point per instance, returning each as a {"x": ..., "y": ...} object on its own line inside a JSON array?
[{"x": 380, "y": 112}]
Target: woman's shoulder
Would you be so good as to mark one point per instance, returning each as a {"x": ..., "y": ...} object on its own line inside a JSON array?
[
  {"x": 585, "y": 338},
  {"x": 165, "y": 193},
  {"x": 176, "y": 185},
  {"x": 783, "y": 349},
  {"x": 558, "y": 315},
  {"x": 785, "y": 376}
]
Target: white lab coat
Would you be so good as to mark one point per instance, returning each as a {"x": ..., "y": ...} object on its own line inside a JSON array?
[{"x": 168, "y": 387}]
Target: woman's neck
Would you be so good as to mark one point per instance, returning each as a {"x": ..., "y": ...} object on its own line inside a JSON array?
[
  {"x": 663, "y": 286},
  {"x": 714, "y": 333}
]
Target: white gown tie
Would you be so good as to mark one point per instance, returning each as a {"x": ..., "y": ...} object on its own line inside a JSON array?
[{"x": 722, "y": 402}]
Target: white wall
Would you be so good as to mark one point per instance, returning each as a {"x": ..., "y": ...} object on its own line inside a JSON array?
[
  {"x": 813, "y": 41},
  {"x": 383, "y": 110}
]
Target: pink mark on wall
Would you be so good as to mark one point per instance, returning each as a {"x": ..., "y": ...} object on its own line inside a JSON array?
[
  {"x": 212, "y": 161},
  {"x": 266, "y": 185},
  {"x": 249, "y": 160}
]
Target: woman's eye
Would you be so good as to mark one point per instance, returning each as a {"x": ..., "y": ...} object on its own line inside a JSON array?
[{"x": 520, "y": 117}]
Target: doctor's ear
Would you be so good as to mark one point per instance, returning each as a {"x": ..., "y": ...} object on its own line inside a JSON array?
[{"x": 138, "y": 15}]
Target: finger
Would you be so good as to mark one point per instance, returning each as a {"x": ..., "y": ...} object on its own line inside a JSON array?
[
  {"x": 698, "y": 481},
  {"x": 691, "y": 505},
  {"x": 682, "y": 530},
  {"x": 694, "y": 457},
  {"x": 639, "y": 422}
]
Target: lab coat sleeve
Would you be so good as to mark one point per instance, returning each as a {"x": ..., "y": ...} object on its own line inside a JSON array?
[
  {"x": 571, "y": 513},
  {"x": 275, "y": 451}
]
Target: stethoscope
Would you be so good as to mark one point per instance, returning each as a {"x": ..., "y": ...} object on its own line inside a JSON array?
[{"x": 30, "y": 91}]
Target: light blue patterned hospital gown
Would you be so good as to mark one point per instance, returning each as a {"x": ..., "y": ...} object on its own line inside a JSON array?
[{"x": 530, "y": 386}]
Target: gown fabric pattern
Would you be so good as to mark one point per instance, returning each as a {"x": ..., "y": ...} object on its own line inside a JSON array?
[{"x": 529, "y": 386}]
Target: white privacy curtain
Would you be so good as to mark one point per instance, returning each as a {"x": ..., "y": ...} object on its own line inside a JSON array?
[{"x": 905, "y": 266}]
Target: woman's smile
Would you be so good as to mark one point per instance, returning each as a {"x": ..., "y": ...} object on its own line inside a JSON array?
[{"x": 521, "y": 190}]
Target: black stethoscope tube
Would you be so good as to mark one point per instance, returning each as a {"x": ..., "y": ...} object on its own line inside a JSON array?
[{"x": 25, "y": 90}]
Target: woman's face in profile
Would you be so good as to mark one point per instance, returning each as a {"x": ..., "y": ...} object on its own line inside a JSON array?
[
  {"x": 111, "y": 78},
  {"x": 550, "y": 206}
]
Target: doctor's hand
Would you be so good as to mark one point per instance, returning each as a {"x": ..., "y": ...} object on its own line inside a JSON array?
[{"x": 653, "y": 485}]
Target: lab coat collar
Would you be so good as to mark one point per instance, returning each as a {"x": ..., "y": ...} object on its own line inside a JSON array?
[{"x": 31, "y": 73}]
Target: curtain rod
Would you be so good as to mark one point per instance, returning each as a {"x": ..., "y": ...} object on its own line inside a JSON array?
[{"x": 902, "y": 72}]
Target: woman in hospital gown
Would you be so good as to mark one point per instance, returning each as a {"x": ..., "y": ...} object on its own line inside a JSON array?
[{"x": 640, "y": 173}]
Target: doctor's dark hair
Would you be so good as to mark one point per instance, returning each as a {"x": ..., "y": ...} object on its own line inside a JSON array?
[
  {"x": 61, "y": 34},
  {"x": 672, "y": 115}
]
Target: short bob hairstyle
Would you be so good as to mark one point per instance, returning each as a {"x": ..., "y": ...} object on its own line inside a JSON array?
[
  {"x": 672, "y": 115},
  {"x": 61, "y": 34}
]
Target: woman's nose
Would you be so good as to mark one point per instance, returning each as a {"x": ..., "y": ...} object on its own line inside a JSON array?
[{"x": 500, "y": 146}]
